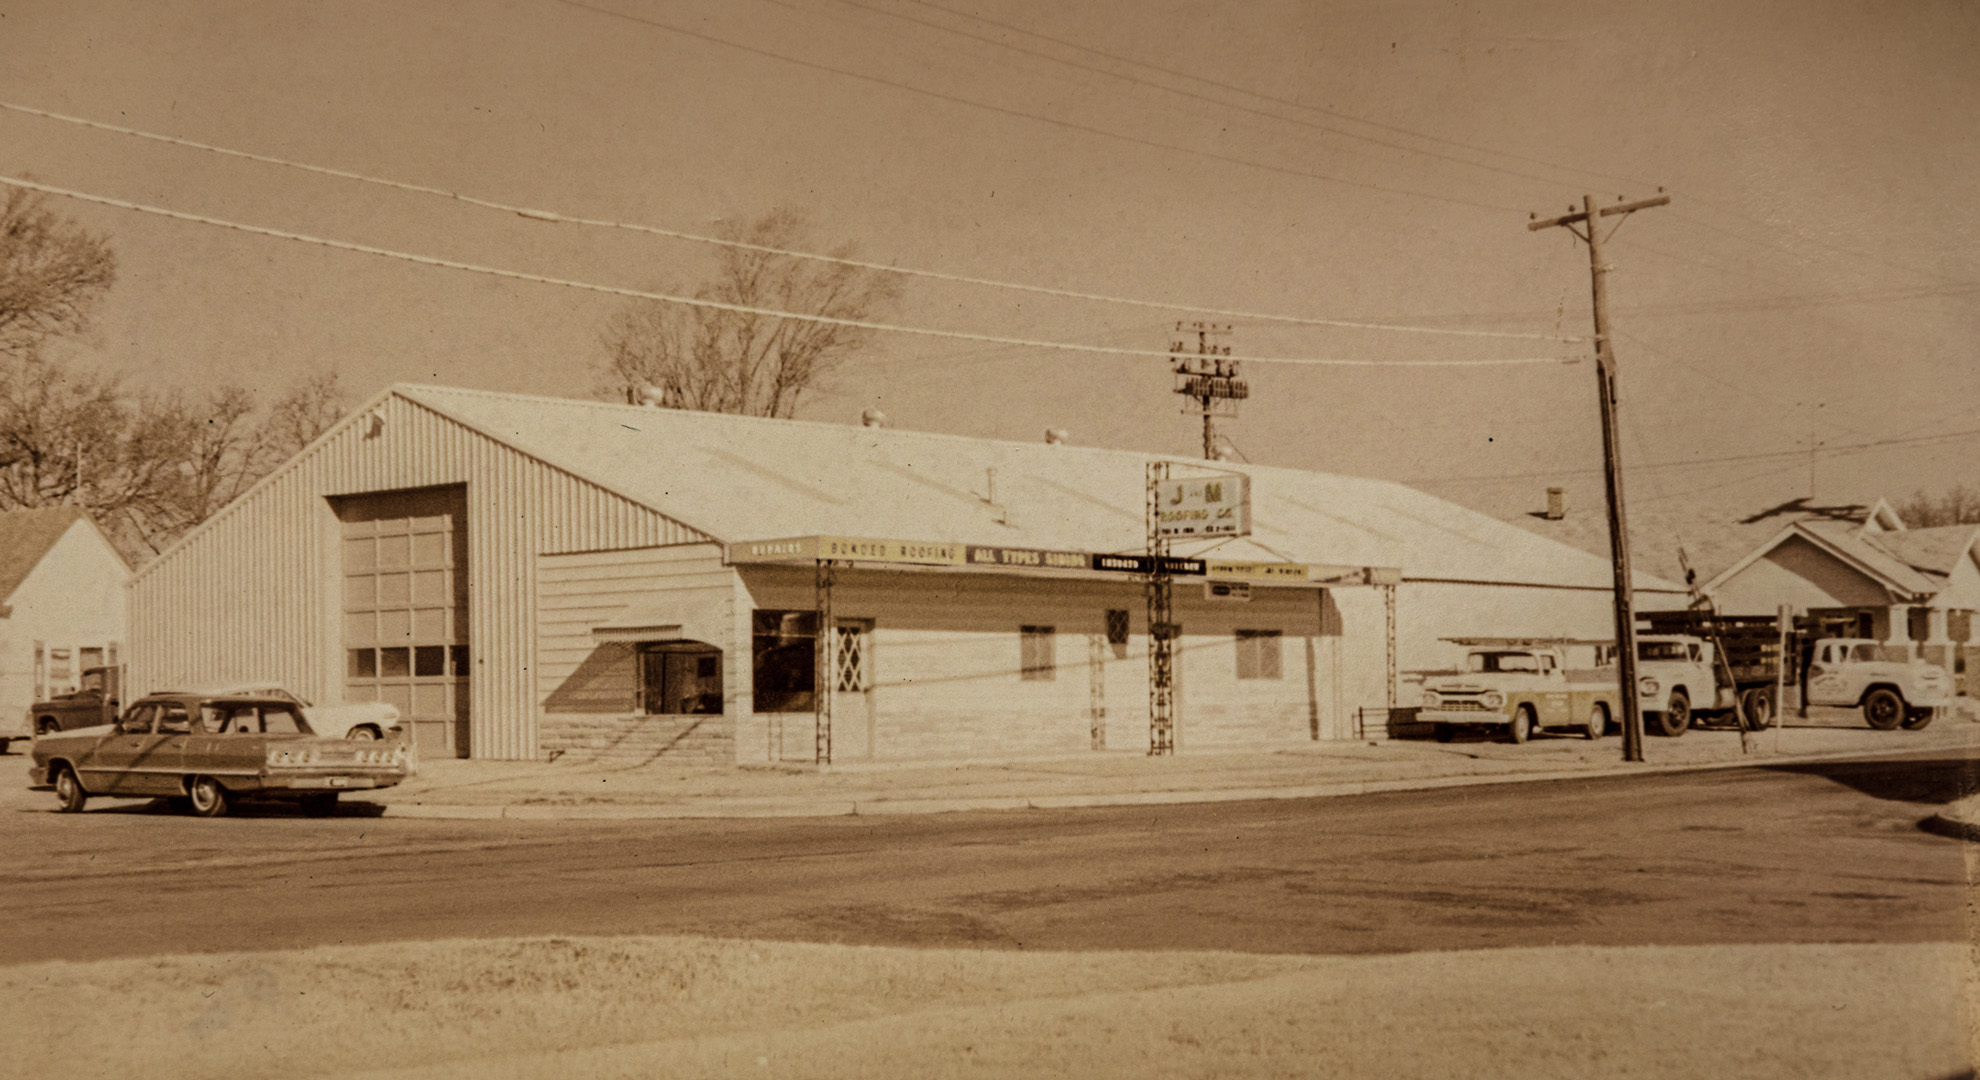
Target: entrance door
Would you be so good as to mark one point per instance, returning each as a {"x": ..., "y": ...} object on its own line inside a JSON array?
[
  {"x": 852, "y": 688},
  {"x": 406, "y": 610}
]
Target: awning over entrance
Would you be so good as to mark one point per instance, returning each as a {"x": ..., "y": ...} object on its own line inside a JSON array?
[{"x": 686, "y": 615}]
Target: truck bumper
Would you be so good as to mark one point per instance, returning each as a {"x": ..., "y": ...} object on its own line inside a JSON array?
[{"x": 1461, "y": 716}]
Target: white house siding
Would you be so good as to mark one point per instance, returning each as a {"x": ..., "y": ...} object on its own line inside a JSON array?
[
  {"x": 253, "y": 593},
  {"x": 948, "y": 683},
  {"x": 587, "y": 688},
  {"x": 73, "y": 599}
]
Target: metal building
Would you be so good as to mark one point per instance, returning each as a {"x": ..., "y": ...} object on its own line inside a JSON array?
[{"x": 526, "y": 576}]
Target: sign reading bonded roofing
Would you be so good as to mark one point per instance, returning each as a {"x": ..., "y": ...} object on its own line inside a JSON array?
[
  {"x": 1204, "y": 506},
  {"x": 808, "y": 548},
  {"x": 1028, "y": 558}
]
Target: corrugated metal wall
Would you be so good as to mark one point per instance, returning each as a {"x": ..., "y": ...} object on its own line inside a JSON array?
[{"x": 252, "y": 594}]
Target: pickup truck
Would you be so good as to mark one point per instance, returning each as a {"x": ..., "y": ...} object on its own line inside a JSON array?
[
  {"x": 1521, "y": 688},
  {"x": 93, "y": 704},
  {"x": 1893, "y": 688}
]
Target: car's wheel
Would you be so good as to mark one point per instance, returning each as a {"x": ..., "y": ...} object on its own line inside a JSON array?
[
  {"x": 1883, "y": 709},
  {"x": 1675, "y": 720},
  {"x": 362, "y": 733},
  {"x": 1522, "y": 724},
  {"x": 69, "y": 791},
  {"x": 319, "y": 805},
  {"x": 208, "y": 798},
  {"x": 1916, "y": 719},
  {"x": 1598, "y": 722}
]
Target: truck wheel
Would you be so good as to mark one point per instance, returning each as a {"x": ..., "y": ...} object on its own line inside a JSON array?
[
  {"x": 1883, "y": 709},
  {"x": 46, "y": 726},
  {"x": 1675, "y": 720},
  {"x": 1522, "y": 724},
  {"x": 69, "y": 791},
  {"x": 1445, "y": 732},
  {"x": 1759, "y": 703},
  {"x": 1916, "y": 719},
  {"x": 1598, "y": 722},
  {"x": 362, "y": 733},
  {"x": 209, "y": 799}
]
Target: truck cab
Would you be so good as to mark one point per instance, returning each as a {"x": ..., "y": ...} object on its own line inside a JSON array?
[
  {"x": 1892, "y": 687},
  {"x": 1520, "y": 688},
  {"x": 1676, "y": 678},
  {"x": 95, "y": 702}
]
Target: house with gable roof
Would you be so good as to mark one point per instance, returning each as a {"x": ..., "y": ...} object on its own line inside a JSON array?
[
  {"x": 61, "y": 605},
  {"x": 1871, "y": 577}
]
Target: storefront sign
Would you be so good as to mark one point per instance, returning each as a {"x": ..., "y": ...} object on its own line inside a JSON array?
[
  {"x": 1204, "y": 506},
  {"x": 1028, "y": 558},
  {"x": 1142, "y": 564},
  {"x": 859, "y": 549},
  {"x": 1267, "y": 572}
]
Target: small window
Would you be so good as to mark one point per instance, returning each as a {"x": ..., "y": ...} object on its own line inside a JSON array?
[
  {"x": 174, "y": 721},
  {"x": 280, "y": 720},
  {"x": 395, "y": 663},
  {"x": 1258, "y": 654},
  {"x": 1117, "y": 626},
  {"x": 674, "y": 681},
  {"x": 1037, "y": 653},
  {"x": 430, "y": 660},
  {"x": 363, "y": 663}
]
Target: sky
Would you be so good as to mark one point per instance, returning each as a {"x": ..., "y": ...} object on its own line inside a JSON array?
[{"x": 1802, "y": 320}]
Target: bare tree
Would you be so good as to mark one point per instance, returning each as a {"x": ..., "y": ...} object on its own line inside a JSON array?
[
  {"x": 52, "y": 273},
  {"x": 312, "y": 405},
  {"x": 1959, "y": 506},
  {"x": 727, "y": 361}
]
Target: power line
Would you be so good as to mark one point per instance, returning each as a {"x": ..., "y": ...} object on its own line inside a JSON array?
[
  {"x": 1178, "y": 92},
  {"x": 1278, "y": 100},
  {"x": 641, "y": 294},
  {"x": 1020, "y": 114},
  {"x": 1842, "y": 450},
  {"x": 674, "y": 234}
]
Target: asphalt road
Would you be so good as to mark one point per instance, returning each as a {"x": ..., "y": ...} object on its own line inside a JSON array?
[{"x": 1822, "y": 853}]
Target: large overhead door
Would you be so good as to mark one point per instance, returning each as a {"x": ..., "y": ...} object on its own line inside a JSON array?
[{"x": 406, "y": 610}]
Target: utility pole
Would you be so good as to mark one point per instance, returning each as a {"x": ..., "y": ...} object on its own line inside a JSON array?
[
  {"x": 1589, "y": 217},
  {"x": 1206, "y": 376}
]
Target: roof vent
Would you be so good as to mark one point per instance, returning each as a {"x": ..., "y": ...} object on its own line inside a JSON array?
[
  {"x": 1056, "y": 436},
  {"x": 650, "y": 395},
  {"x": 1556, "y": 504},
  {"x": 873, "y": 418}
]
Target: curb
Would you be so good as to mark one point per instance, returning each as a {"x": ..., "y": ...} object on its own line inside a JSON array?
[{"x": 809, "y": 808}]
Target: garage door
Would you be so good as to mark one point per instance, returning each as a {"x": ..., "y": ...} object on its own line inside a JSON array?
[{"x": 406, "y": 610}]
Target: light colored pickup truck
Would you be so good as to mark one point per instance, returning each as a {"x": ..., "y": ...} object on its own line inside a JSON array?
[
  {"x": 1894, "y": 688},
  {"x": 1522, "y": 689}
]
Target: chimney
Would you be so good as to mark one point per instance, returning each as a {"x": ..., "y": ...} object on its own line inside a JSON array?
[
  {"x": 873, "y": 418},
  {"x": 1056, "y": 436},
  {"x": 1556, "y": 504}
]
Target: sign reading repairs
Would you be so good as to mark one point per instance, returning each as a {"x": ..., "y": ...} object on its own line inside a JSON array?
[{"x": 1204, "y": 506}]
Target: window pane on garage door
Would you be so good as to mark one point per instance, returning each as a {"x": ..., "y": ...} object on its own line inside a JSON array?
[{"x": 405, "y": 600}]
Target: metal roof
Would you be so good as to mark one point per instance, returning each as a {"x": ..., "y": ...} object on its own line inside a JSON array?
[{"x": 748, "y": 478}]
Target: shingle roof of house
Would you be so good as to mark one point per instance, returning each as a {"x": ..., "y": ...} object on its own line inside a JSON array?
[
  {"x": 25, "y": 538},
  {"x": 1934, "y": 551},
  {"x": 747, "y": 478}
]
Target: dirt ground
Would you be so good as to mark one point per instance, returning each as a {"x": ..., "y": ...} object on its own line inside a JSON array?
[{"x": 638, "y": 1007}]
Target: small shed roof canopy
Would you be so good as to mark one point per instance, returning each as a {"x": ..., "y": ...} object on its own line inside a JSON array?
[{"x": 739, "y": 478}]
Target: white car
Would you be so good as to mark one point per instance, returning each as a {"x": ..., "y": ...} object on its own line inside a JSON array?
[{"x": 364, "y": 721}]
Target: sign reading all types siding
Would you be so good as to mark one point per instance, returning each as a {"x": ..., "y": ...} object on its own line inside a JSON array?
[{"x": 1204, "y": 506}]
